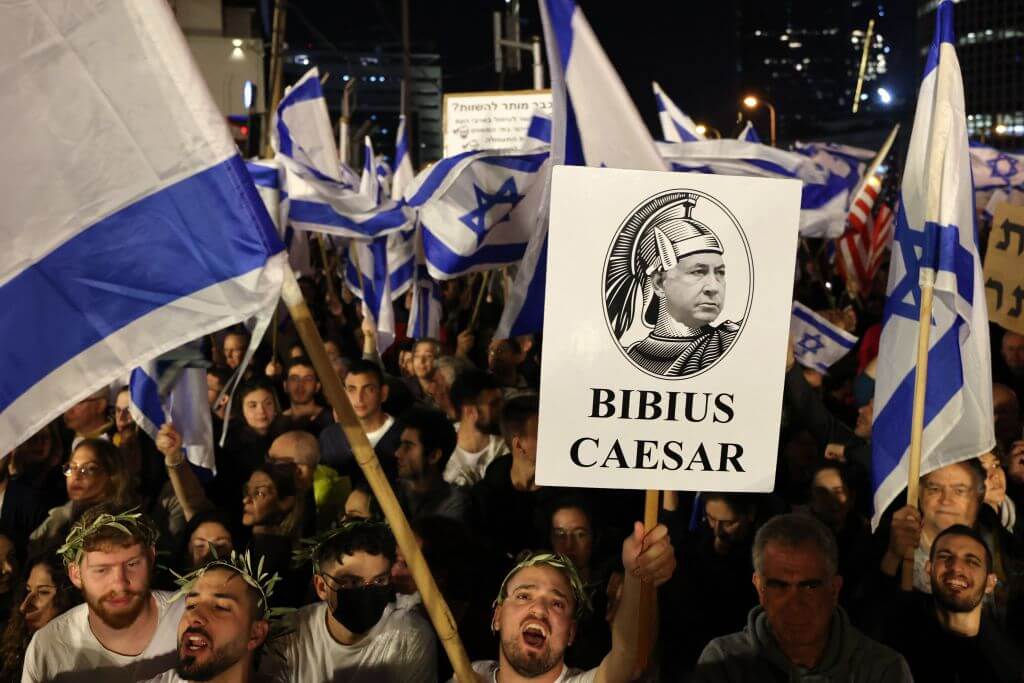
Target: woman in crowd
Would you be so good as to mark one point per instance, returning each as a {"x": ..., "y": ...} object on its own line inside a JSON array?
[
  {"x": 46, "y": 594},
  {"x": 96, "y": 473}
]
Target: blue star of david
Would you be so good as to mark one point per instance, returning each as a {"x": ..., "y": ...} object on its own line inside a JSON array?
[
  {"x": 476, "y": 220},
  {"x": 810, "y": 343},
  {"x": 1002, "y": 166},
  {"x": 911, "y": 243}
]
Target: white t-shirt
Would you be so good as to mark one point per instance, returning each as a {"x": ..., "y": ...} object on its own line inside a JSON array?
[
  {"x": 489, "y": 669},
  {"x": 66, "y": 647},
  {"x": 465, "y": 468},
  {"x": 401, "y": 648},
  {"x": 376, "y": 435},
  {"x": 173, "y": 677}
]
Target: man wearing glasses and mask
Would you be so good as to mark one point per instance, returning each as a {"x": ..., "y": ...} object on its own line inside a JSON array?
[{"x": 355, "y": 632}]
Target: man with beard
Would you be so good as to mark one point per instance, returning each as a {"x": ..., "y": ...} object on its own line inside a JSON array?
[
  {"x": 949, "y": 636},
  {"x": 477, "y": 398},
  {"x": 124, "y": 631},
  {"x": 542, "y": 599},
  {"x": 426, "y": 444},
  {"x": 355, "y": 632},
  {"x": 226, "y": 622}
]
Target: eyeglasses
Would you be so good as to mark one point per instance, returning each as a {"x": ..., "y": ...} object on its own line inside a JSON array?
[
  {"x": 349, "y": 582},
  {"x": 257, "y": 492},
  {"x": 88, "y": 470}
]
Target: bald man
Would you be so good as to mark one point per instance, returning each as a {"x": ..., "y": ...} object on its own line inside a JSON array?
[{"x": 314, "y": 481}]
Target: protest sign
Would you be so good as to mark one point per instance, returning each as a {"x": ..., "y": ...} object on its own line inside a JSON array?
[
  {"x": 490, "y": 120},
  {"x": 1004, "y": 278},
  {"x": 654, "y": 377}
]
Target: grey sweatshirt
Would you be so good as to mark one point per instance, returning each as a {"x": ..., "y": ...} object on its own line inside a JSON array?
[{"x": 753, "y": 655}]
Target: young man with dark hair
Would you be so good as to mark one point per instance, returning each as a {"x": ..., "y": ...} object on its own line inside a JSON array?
[
  {"x": 503, "y": 358},
  {"x": 949, "y": 636},
  {"x": 426, "y": 444},
  {"x": 542, "y": 599},
  {"x": 355, "y": 633},
  {"x": 477, "y": 398},
  {"x": 225, "y": 623},
  {"x": 301, "y": 385},
  {"x": 124, "y": 631},
  {"x": 367, "y": 391}
]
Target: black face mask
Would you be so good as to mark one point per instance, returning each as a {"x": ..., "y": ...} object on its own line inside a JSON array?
[{"x": 359, "y": 609}]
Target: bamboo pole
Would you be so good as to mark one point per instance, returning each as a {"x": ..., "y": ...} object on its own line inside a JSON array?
[
  {"x": 863, "y": 65},
  {"x": 648, "y": 595},
  {"x": 917, "y": 420},
  {"x": 276, "y": 69},
  {"x": 479, "y": 299},
  {"x": 433, "y": 601}
]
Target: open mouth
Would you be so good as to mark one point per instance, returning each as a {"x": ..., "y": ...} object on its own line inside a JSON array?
[
  {"x": 535, "y": 634},
  {"x": 955, "y": 583},
  {"x": 193, "y": 643}
]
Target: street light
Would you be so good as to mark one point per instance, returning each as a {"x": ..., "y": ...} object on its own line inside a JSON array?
[
  {"x": 705, "y": 130},
  {"x": 751, "y": 102},
  {"x": 1001, "y": 129}
]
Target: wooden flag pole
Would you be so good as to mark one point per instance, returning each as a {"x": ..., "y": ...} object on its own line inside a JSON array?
[
  {"x": 433, "y": 601},
  {"x": 917, "y": 420},
  {"x": 479, "y": 299},
  {"x": 648, "y": 595}
]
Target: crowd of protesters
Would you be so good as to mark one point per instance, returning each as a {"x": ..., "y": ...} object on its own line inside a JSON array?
[{"x": 99, "y": 522}]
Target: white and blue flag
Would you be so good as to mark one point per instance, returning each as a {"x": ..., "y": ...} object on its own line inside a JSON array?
[
  {"x": 993, "y": 168},
  {"x": 371, "y": 182},
  {"x": 138, "y": 228},
  {"x": 323, "y": 195},
  {"x": 749, "y": 134},
  {"x": 823, "y": 200},
  {"x": 675, "y": 125},
  {"x": 268, "y": 176},
  {"x": 404, "y": 172},
  {"x": 817, "y": 343},
  {"x": 425, "y": 312},
  {"x": 594, "y": 123},
  {"x": 166, "y": 389},
  {"x": 935, "y": 243},
  {"x": 477, "y": 210}
]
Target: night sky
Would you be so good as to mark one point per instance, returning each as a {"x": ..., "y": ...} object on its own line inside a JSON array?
[{"x": 692, "y": 48}]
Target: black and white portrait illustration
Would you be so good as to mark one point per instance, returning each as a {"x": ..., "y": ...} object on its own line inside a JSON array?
[{"x": 671, "y": 281}]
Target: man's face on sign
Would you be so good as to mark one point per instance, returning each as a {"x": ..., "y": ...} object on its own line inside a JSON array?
[{"x": 693, "y": 291}]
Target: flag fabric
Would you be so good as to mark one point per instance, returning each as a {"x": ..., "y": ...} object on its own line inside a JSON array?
[
  {"x": 881, "y": 239},
  {"x": 824, "y": 197},
  {"x": 817, "y": 343},
  {"x": 403, "y": 162},
  {"x": 156, "y": 235},
  {"x": 425, "y": 312},
  {"x": 935, "y": 241},
  {"x": 594, "y": 123},
  {"x": 322, "y": 193},
  {"x": 675, "y": 125},
  {"x": 864, "y": 202},
  {"x": 993, "y": 168},
  {"x": 370, "y": 185},
  {"x": 160, "y": 390},
  {"x": 477, "y": 210},
  {"x": 749, "y": 134},
  {"x": 268, "y": 176}
]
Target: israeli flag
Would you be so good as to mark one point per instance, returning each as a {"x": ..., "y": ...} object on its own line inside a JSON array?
[
  {"x": 323, "y": 194},
  {"x": 935, "y": 242},
  {"x": 675, "y": 125},
  {"x": 137, "y": 228},
  {"x": 993, "y": 168},
  {"x": 162, "y": 390},
  {"x": 825, "y": 195},
  {"x": 845, "y": 161},
  {"x": 748, "y": 134},
  {"x": 370, "y": 184},
  {"x": 818, "y": 344},
  {"x": 425, "y": 312},
  {"x": 477, "y": 210},
  {"x": 268, "y": 176},
  {"x": 594, "y": 123},
  {"x": 403, "y": 162}
]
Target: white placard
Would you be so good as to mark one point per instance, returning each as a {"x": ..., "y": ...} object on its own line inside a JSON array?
[
  {"x": 654, "y": 374},
  {"x": 490, "y": 120}
]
